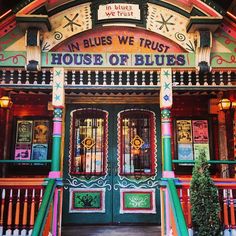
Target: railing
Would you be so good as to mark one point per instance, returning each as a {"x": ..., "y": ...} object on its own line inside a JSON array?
[
  {"x": 146, "y": 79},
  {"x": 227, "y": 197},
  {"x": 20, "y": 202},
  {"x": 44, "y": 222},
  {"x": 28, "y": 208},
  {"x": 173, "y": 222}
]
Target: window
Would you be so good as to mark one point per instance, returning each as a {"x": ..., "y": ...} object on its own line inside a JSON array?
[
  {"x": 89, "y": 142},
  {"x": 32, "y": 139},
  {"x": 192, "y": 138},
  {"x": 137, "y": 142}
]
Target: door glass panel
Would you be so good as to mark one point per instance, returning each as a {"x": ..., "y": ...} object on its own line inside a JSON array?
[
  {"x": 136, "y": 143},
  {"x": 89, "y": 142}
]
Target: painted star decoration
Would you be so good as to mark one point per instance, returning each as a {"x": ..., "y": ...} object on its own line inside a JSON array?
[
  {"x": 165, "y": 22},
  {"x": 71, "y": 22}
]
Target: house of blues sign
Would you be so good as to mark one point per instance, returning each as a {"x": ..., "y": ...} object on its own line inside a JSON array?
[{"x": 111, "y": 47}]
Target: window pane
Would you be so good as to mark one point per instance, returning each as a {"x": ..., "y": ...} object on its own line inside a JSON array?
[
  {"x": 136, "y": 147},
  {"x": 89, "y": 142}
]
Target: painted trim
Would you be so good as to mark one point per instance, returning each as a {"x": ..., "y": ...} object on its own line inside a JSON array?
[
  {"x": 102, "y": 192},
  {"x": 151, "y": 210}
]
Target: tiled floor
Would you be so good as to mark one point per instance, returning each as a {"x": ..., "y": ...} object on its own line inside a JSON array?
[{"x": 111, "y": 230}]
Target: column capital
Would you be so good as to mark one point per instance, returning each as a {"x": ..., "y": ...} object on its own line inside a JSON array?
[{"x": 165, "y": 113}]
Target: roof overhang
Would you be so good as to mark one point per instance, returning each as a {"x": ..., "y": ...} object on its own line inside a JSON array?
[
  {"x": 202, "y": 23},
  {"x": 39, "y": 21}
]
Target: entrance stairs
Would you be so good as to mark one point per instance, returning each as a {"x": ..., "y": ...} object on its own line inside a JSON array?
[{"x": 112, "y": 230}]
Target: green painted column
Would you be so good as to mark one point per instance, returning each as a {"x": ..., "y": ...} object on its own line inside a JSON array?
[
  {"x": 166, "y": 139},
  {"x": 56, "y": 143},
  {"x": 58, "y": 101}
]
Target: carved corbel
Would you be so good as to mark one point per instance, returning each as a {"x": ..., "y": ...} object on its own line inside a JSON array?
[
  {"x": 33, "y": 49},
  {"x": 203, "y": 50}
]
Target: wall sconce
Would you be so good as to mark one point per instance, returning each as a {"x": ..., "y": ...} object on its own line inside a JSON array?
[
  {"x": 225, "y": 104},
  {"x": 5, "y": 102}
]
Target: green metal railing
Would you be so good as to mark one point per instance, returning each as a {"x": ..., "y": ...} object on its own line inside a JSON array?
[
  {"x": 24, "y": 161},
  {"x": 44, "y": 208},
  {"x": 179, "y": 219},
  {"x": 210, "y": 162}
]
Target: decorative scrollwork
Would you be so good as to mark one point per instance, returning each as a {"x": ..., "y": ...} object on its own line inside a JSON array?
[
  {"x": 15, "y": 58},
  {"x": 219, "y": 59},
  {"x": 58, "y": 35},
  {"x": 76, "y": 182},
  {"x": 180, "y": 37},
  {"x": 126, "y": 184}
]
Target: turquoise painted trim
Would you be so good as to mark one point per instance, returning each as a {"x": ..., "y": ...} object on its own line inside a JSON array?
[
  {"x": 210, "y": 162},
  {"x": 44, "y": 208},
  {"x": 166, "y": 141},
  {"x": 56, "y": 148},
  {"x": 177, "y": 209},
  {"x": 25, "y": 161}
]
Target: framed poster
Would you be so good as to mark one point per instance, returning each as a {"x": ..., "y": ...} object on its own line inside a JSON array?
[
  {"x": 24, "y": 131},
  {"x": 185, "y": 151},
  {"x": 184, "y": 131},
  {"x": 202, "y": 147},
  {"x": 41, "y": 131},
  {"x": 200, "y": 131},
  {"x": 39, "y": 152},
  {"x": 22, "y": 152}
]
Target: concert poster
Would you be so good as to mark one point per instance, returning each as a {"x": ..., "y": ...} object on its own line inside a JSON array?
[
  {"x": 22, "y": 152},
  {"x": 184, "y": 131},
  {"x": 201, "y": 148},
  {"x": 41, "y": 131},
  {"x": 200, "y": 131},
  {"x": 24, "y": 131}
]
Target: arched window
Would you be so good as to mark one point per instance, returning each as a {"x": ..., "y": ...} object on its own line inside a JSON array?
[
  {"x": 89, "y": 142},
  {"x": 137, "y": 142}
]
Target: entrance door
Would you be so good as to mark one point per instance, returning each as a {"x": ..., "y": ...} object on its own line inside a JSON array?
[{"x": 111, "y": 165}]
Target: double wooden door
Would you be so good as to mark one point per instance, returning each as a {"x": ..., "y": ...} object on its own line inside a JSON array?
[{"x": 112, "y": 164}]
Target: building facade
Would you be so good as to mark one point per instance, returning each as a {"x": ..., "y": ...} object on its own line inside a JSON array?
[{"x": 108, "y": 100}]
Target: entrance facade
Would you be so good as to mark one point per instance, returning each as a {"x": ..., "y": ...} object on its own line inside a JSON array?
[{"x": 112, "y": 166}]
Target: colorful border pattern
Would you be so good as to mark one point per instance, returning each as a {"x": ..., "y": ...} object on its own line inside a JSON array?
[
  {"x": 73, "y": 209},
  {"x": 139, "y": 203}
]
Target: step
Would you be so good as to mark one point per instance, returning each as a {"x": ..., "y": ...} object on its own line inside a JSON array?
[{"x": 111, "y": 230}]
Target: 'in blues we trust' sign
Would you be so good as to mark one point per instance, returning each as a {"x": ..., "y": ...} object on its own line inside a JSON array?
[{"x": 119, "y": 10}]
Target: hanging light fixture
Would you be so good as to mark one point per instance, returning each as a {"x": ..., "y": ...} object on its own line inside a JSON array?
[
  {"x": 5, "y": 102},
  {"x": 233, "y": 105},
  {"x": 224, "y": 104}
]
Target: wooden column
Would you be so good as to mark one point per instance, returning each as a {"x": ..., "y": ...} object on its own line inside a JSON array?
[
  {"x": 166, "y": 135},
  {"x": 58, "y": 99}
]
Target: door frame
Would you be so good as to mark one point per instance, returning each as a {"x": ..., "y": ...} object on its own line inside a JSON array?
[{"x": 111, "y": 214}]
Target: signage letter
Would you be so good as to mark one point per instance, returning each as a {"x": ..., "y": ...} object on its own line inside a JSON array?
[
  {"x": 123, "y": 59},
  {"x": 67, "y": 59},
  {"x": 113, "y": 59},
  {"x": 139, "y": 60},
  {"x": 56, "y": 59},
  {"x": 98, "y": 59}
]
